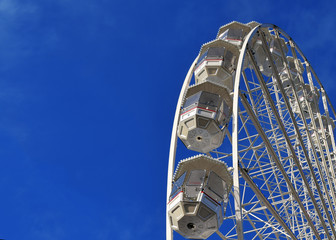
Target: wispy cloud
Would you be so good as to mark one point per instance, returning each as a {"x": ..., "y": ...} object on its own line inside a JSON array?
[
  {"x": 14, "y": 9},
  {"x": 15, "y": 18},
  {"x": 33, "y": 27}
]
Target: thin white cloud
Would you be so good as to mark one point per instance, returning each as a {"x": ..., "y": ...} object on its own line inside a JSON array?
[
  {"x": 13, "y": 17},
  {"x": 24, "y": 31}
]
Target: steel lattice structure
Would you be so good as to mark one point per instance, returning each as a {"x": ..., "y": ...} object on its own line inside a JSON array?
[{"x": 279, "y": 146}]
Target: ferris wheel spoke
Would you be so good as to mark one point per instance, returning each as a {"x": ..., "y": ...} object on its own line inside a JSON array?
[
  {"x": 300, "y": 139},
  {"x": 279, "y": 165},
  {"x": 269, "y": 206},
  {"x": 297, "y": 128}
]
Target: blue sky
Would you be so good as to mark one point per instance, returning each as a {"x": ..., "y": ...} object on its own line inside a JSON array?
[{"x": 88, "y": 91}]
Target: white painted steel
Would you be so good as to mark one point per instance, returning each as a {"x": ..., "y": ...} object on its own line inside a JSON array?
[
  {"x": 173, "y": 143},
  {"x": 284, "y": 184},
  {"x": 235, "y": 162}
]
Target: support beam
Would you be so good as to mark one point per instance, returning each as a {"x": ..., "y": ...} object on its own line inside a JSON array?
[
  {"x": 277, "y": 161},
  {"x": 264, "y": 200},
  {"x": 173, "y": 144},
  {"x": 311, "y": 168},
  {"x": 221, "y": 235},
  {"x": 295, "y": 159}
]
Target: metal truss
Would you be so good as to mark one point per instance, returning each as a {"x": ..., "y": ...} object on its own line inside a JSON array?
[{"x": 283, "y": 161}]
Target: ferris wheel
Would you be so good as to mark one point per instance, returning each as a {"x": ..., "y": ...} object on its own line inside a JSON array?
[{"x": 255, "y": 128}]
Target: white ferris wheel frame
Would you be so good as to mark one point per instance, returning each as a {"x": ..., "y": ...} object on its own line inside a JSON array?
[{"x": 237, "y": 170}]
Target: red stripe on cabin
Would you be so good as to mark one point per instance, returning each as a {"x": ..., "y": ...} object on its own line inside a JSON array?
[
  {"x": 211, "y": 198},
  {"x": 199, "y": 108},
  {"x": 175, "y": 196}
]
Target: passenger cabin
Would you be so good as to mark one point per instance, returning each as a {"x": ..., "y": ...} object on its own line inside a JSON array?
[
  {"x": 206, "y": 110},
  {"x": 317, "y": 134},
  {"x": 307, "y": 98},
  {"x": 261, "y": 57},
  {"x": 295, "y": 71},
  {"x": 217, "y": 63},
  {"x": 199, "y": 196},
  {"x": 234, "y": 33}
]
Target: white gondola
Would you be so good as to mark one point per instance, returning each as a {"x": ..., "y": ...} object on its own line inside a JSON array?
[
  {"x": 275, "y": 49},
  {"x": 317, "y": 134},
  {"x": 294, "y": 71},
  {"x": 311, "y": 100},
  {"x": 234, "y": 33},
  {"x": 217, "y": 63},
  {"x": 206, "y": 110},
  {"x": 199, "y": 196}
]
